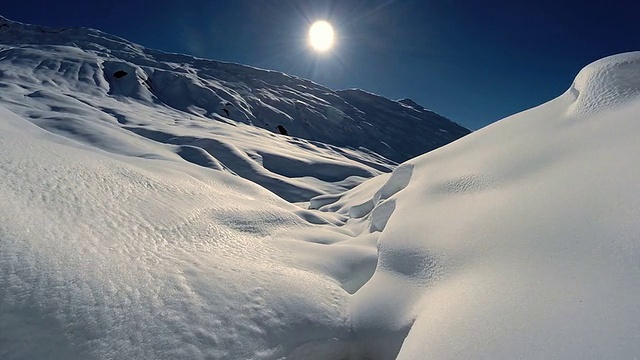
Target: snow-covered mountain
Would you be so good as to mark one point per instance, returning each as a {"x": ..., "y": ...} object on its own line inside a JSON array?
[
  {"x": 89, "y": 62},
  {"x": 516, "y": 241},
  {"x": 90, "y": 86}
]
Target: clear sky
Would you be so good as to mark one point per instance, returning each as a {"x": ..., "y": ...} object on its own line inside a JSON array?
[{"x": 474, "y": 61}]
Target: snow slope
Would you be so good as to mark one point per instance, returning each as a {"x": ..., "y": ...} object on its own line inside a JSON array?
[
  {"x": 519, "y": 241},
  {"x": 107, "y": 256},
  {"x": 126, "y": 233}
]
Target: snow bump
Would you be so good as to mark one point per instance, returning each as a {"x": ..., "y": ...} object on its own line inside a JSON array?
[
  {"x": 604, "y": 83},
  {"x": 398, "y": 181}
]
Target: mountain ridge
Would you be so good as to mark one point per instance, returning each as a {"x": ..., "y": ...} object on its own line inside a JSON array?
[{"x": 263, "y": 98}]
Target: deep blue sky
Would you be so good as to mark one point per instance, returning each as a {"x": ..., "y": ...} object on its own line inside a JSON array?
[{"x": 474, "y": 61}]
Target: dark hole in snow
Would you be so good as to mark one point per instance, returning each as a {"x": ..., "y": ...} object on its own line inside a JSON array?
[
  {"x": 120, "y": 73},
  {"x": 282, "y": 130}
]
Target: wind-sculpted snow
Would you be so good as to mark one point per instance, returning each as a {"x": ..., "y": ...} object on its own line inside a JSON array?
[
  {"x": 519, "y": 241},
  {"x": 97, "y": 113},
  {"x": 605, "y": 83},
  {"x": 105, "y": 256},
  {"x": 138, "y": 224}
]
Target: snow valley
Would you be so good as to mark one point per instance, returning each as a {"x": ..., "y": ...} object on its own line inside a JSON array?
[{"x": 160, "y": 206}]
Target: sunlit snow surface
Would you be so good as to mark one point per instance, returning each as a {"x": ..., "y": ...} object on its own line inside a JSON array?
[{"x": 518, "y": 241}]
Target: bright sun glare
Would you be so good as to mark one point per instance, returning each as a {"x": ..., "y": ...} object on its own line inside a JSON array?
[{"x": 321, "y": 35}]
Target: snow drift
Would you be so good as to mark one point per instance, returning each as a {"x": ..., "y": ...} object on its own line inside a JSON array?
[
  {"x": 126, "y": 231},
  {"x": 520, "y": 241}
]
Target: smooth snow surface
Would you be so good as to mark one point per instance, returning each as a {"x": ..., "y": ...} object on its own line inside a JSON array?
[
  {"x": 132, "y": 229},
  {"x": 520, "y": 241}
]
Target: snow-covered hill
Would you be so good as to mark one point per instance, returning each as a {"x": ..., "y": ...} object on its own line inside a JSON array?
[{"x": 517, "y": 241}]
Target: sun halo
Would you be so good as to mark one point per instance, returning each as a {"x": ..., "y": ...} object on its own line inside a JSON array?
[{"x": 321, "y": 36}]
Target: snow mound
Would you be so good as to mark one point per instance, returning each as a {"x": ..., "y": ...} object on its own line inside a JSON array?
[
  {"x": 605, "y": 83},
  {"x": 519, "y": 240}
]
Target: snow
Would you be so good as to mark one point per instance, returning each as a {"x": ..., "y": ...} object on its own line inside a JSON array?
[
  {"x": 108, "y": 256},
  {"x": 84, "y": 61},
  {"x": 139, "y": 222},
  {"x": 521, "y": 239}
]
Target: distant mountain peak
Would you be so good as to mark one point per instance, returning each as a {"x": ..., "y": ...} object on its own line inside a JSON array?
[{"x": 411, "y": 103}]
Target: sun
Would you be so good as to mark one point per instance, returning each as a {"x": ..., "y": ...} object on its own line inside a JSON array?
[{"x": 321, "y": 35}]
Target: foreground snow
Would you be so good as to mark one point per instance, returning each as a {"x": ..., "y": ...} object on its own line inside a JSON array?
[{"x": 519, "y": 240}]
